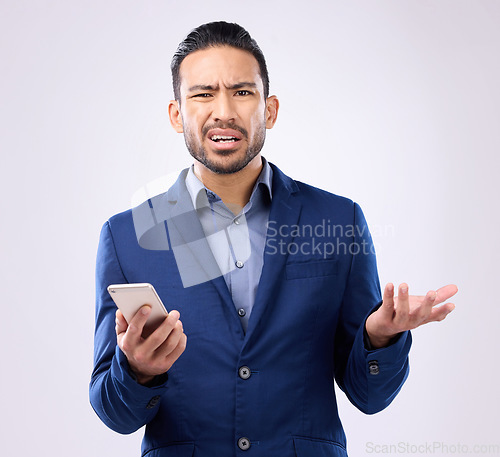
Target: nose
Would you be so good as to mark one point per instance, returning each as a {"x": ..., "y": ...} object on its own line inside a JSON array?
[{"x": 223, "y": 108}]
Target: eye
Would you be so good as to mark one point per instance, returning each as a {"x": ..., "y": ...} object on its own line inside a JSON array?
[
  {"x": 243, "y": 92},
  {"x": 201, "y": 95}
]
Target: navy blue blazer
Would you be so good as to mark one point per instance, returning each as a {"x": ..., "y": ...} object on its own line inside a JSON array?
[{"x": 269, "y": 391}]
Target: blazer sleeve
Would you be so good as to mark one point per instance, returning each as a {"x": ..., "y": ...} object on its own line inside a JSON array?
[
  {"x": 121, "y": 403},
  {"x": 370, "y": 378}
]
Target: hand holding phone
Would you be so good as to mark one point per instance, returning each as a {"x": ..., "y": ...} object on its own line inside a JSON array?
[
  {"x": 129, "y": 298},
  {"x": 147, "y": 357}
]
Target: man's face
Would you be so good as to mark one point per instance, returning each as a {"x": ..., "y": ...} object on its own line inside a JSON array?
[{"x": 222, "y": 109}]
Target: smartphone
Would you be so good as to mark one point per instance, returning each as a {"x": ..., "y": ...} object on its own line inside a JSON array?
[{"x": 131, "y": 297}]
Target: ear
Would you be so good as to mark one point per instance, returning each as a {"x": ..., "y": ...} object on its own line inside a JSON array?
[
  {"x": 272, "y": 107},
  {"x": 174, "y": 113}
]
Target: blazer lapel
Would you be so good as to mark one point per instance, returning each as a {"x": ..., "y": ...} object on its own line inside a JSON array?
[
  {"x": 194, "y": 258},
  {"x": 285, "y": 212}
]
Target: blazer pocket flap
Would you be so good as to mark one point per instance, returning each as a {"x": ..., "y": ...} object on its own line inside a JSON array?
[
  {"x": 311, "y": 269},
  {"x": 308, "y": 447}
]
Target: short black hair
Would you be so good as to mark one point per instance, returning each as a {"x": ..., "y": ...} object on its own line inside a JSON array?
[{"x": 215, "y": 34}]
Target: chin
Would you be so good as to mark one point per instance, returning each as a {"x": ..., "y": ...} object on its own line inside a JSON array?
[
  {"x": 224, "y": 168},
  {"x": 226, "y": 163}
]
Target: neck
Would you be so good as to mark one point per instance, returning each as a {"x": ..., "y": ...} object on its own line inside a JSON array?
[{"x": 234, "y": 189}]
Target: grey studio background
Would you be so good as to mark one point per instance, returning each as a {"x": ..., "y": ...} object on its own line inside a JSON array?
[{"x": 393, "y": 104}]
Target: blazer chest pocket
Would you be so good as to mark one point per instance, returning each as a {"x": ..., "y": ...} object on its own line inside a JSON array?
[{"x": 311, "y": 269}]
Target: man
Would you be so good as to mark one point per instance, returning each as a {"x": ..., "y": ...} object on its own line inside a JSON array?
[{"x": 275, "y": 280}]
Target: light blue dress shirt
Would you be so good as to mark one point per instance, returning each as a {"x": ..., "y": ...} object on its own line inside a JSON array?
[{"x": 237, "y": 242}]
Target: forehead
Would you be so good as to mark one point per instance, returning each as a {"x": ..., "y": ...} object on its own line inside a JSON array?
[{"x": 222, "y": 64}]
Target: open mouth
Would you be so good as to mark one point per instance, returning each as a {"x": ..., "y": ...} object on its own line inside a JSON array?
[{"x": 224, "y": 139}]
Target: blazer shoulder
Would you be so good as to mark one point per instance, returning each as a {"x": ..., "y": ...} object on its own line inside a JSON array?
[
  {"x": 312, "y": 191},
  {"x": 126, "y": 217},
  {"x": 120, "y": 220},
  {"x": 309, "y": 192},
  {"x": 157, "y": 202},
  {"x": 121, "y": 216}
]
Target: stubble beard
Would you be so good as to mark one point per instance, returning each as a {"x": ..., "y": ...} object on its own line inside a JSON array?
[{"x": 199, "y": 152}]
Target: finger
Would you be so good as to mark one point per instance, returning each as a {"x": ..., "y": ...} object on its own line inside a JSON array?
[
  {"x": 422, "y": 307},
  {"x": 170, "y": 344},
  {"x": 136, "y": 325},
  {"x": 162, "y": 332},
  {"x": 387, "y": 307},
  {"x": 446, "y": 292},
  {"x": 120, "y": 323},
  {"x": 177, "y": 352},
  {"x": 440, "y": 312},
  {"x": 403, "y": 306}
]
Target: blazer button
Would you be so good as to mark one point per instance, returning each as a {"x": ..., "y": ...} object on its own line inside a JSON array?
[
  {"x": 373, "y": 367},
  {"x": 152, "y": 403},
  {"x": 244, "y": 372},
  {"x": 244, "y": 444},
  {"x": 241, "y": 312}
]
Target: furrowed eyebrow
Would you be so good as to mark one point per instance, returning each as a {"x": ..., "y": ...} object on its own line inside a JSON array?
[
  {"x": 233, "y": 86},
  {"x": 202, "y": 87},
  {"x": 242, "y": 84}
]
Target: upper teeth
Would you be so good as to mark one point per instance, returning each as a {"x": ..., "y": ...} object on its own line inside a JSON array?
[{"x": 222, "y": 137}]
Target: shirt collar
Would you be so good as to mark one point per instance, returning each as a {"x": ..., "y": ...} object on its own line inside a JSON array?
[{"x": 200, "y": 194}]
